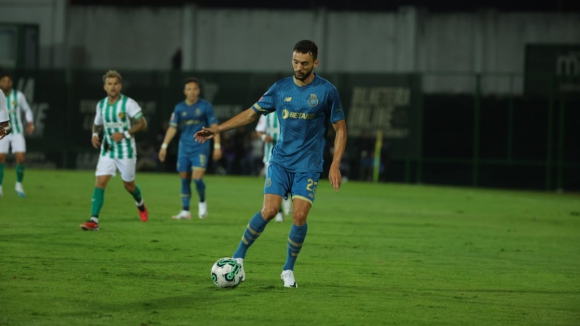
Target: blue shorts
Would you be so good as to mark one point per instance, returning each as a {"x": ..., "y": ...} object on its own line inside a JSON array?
[
  {"x": 300, "y": 185},
  {"x": 186, "y": 163}
]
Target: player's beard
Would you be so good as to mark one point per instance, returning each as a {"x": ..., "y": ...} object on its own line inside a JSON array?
[
  {"x": 113, "y": 94},
  {"x": 304, "y": 75}
]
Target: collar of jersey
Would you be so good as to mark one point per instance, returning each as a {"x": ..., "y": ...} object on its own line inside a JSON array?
[{"x": 294, "y": 79}]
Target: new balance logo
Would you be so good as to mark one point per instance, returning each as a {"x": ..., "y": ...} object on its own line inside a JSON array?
[{"x": 288, "y": 99}]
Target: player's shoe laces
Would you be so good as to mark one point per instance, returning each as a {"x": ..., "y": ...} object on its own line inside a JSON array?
[
  {"x": 288, "y": 279},
  {"x": 241, "y": 262},
  {"x": 279, "y": 217},
  {"x": 202, "y": 212},
  {"x": 143, "y": 213},
  {"x": 183, "y": 215},
  {"x": 90, "y": 226},
  {"x": 19, "y": 190}
]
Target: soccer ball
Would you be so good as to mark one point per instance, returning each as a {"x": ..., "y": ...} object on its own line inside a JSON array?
[{"x": 226, "y": 273}]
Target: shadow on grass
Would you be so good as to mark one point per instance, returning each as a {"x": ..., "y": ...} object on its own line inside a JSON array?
[{"x": 206, "y": 297}]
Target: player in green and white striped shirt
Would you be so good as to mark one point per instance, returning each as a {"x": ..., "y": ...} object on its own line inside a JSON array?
[
  {"x": 268, "y": 128},
  {"x": 16, "y": 104},
  {"x": 115, "y": 114}
]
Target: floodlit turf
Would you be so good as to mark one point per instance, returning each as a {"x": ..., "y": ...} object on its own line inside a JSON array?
[{"x": 374, "y": 255}]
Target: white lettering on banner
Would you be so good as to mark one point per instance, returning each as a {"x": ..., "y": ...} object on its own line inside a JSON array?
[
  {"x": 568, "y": 64},
  {"x": 210, "y": 90},
  {"x": 374, "y": 108},
  {"x": 38, "y": 160},
  {"x": 87, "y": 160},
  {"x": 39, "y": 112}
]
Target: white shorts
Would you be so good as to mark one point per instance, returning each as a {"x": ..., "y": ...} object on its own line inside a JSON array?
[
  {"x": 16, "y": 142},
  {"x": 109, "y": 166}
]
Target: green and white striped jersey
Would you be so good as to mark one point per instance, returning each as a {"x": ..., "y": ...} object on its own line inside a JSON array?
[
  {"x": 117, "y": 117},
  {"x": 3, "y": 108},
  {"x": 16, "y": 103},
  {"x": 269, "y": 125}
]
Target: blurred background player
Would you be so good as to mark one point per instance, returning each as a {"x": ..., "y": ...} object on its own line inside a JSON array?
[
  {"x": 16, "y": 104},
  {"x": 304, "y": 103},
  {"x": 268, "y": 128},
  {"x": 5, "y": 127},
  {"x": 118, "y": 151},
  {"x": 191, "y": 115}
]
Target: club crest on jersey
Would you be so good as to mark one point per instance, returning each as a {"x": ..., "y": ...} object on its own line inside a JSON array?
[
  {"x": 14, "y": 103},
  {"x": 312, "y": 100},
  {"x": 197, "y": 112},
  {"x": 121, "y": 115}
]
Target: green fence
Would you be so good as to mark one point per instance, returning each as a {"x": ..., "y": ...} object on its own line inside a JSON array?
[{"x": 491, "y": 130}]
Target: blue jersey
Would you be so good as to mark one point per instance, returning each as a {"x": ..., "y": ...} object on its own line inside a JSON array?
[
  {"x": 303, "y": 112},
  {"x": 191, "y": 118}
]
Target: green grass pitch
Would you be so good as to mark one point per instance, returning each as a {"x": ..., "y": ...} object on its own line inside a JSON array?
[{"x": 374, "y": 255}]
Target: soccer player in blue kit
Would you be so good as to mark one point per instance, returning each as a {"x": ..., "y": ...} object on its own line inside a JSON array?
[
  {"x": 304, "y": 104},
  {"x": 192, "y": 158}
]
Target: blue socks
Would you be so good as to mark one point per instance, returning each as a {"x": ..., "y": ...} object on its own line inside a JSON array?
[
  {"x": 295, "y": 241},
  {"x": 185, "y": 193},
  {"x": 253, "y": 230},
  {"x": 200, "y": 187}
]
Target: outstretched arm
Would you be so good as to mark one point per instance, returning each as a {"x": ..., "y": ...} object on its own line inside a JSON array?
[
  {"x": 339, "y": 146},
  {"x": 239, "y": 120}
]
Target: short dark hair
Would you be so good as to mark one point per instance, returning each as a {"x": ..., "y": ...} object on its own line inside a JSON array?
[
  {"x": 5, "y": 74},
  {"x": 307, "y": 46},
  {"x": 192, "y": 80}
]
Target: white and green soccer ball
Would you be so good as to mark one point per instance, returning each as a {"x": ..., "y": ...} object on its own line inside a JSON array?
[{"x": 226, "y": 273}]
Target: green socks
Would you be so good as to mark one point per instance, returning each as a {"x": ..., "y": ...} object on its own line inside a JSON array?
[
  {"x": 98, "y": 200},
  {"x": 19, "y": 172},
  {"x": 137, "y": 195}
]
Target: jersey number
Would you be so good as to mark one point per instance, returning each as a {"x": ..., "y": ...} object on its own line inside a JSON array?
[{"x": 311, "y": 186}]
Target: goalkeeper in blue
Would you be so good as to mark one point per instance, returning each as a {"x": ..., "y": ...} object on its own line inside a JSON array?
[{"x": 305, "y": 104}]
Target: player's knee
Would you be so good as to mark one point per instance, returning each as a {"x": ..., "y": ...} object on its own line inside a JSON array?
[
  {"x": 129, "y": 186},
  {"x": 268, "y": 213},
  {"x": 299, "y": 218}
]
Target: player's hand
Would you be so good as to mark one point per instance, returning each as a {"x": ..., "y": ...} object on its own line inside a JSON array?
[
  {"x": 5, "y": 129},
  {"x": 162, "y": 154},
  {"x": 217, "y": 154},
  {"x": 268, "y": 139},
  {"x": 117, "y": 136},
  {"x": 335, "y": 177},
  {"x": 96, "y": 142},
  {"x": 30, "y": 128},
  {"x": 205, "y": 134}
]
